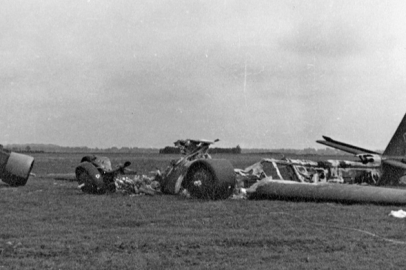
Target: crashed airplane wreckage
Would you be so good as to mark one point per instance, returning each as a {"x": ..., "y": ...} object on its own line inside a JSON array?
[
  {"x": 310, "y": 180},
  {"x": 95, "y": 174},
  {"x": 304, "y": 180},
  {"x": 196, "y": 172},
  {"x": 203, "y": 177},
  {"x": 15, "y": 168}
]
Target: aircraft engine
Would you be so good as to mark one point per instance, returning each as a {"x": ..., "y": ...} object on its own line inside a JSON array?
[
  {"x": 370, "y": 159},
  {"x": 15, "y": 168}
]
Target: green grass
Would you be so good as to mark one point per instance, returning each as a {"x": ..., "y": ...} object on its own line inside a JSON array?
[{"x": 50, "y": 224}]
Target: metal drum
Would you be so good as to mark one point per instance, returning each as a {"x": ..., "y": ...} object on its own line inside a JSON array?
[{"x": 15, "y": 168}]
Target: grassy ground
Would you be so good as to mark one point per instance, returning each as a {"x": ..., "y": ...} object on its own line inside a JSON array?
[{"x": 50, "y": 224}]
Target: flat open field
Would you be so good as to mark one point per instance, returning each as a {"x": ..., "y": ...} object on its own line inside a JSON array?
[{"x": 50, "y": 224}]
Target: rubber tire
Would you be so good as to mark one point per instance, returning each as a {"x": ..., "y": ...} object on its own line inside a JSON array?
[
  {"x": 212, "y": 179},
  {"x": 87, "y": 174}
]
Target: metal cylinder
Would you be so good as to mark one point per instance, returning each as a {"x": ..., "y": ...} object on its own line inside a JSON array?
[
  {"x": 331, "y": 192},
  {"x": 15, "y": 168}
]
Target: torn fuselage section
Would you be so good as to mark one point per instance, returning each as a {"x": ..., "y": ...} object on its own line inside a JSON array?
[
  {"x": 303, "y": 180},
  {"x": 290, "y": 171}
]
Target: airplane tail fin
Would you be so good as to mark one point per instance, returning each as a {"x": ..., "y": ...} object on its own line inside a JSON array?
[{"x": 397, "y": 145}]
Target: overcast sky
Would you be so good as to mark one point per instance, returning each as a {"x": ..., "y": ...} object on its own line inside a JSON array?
[{"x": 270, "y": 74}]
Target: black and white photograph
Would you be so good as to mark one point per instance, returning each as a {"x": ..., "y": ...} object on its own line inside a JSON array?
[{"x": 201, "y": 134}]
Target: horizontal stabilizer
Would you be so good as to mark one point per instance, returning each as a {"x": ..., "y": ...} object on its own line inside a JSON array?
[
  {"x": 395, "y": 163},
  {"x": 345, "y": 147}
]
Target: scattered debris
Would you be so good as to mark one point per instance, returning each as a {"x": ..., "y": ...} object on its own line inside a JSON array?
[
  {"x": 96, "y": 176},
  {"x": 195, "y": 174},
  {"x": 331, "y": 180},
  {"x": 398, "y": 214},
  {"x": 139, "y": 184}
]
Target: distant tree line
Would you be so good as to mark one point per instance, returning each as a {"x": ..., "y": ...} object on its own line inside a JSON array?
[
  {"x": 234, "y": 150},
  {"x": 175, "y": 150},
  {"x": 50, "y": 148},
  {"x": 26, "y": 149}
]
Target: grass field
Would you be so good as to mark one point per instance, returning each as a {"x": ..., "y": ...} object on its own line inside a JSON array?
[{"x": 50, "y": 224}]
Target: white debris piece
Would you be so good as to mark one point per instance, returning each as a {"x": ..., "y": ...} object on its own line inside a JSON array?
[{"x": 398, "y": 214}]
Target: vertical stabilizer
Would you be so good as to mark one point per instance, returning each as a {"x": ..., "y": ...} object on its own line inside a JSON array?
[
  {"x": 397, "y": 145},
  {"x": 390, "y": 175}
]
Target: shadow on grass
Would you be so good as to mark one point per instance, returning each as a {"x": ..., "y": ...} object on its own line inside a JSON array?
[{"x": 5, "y": 186}]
